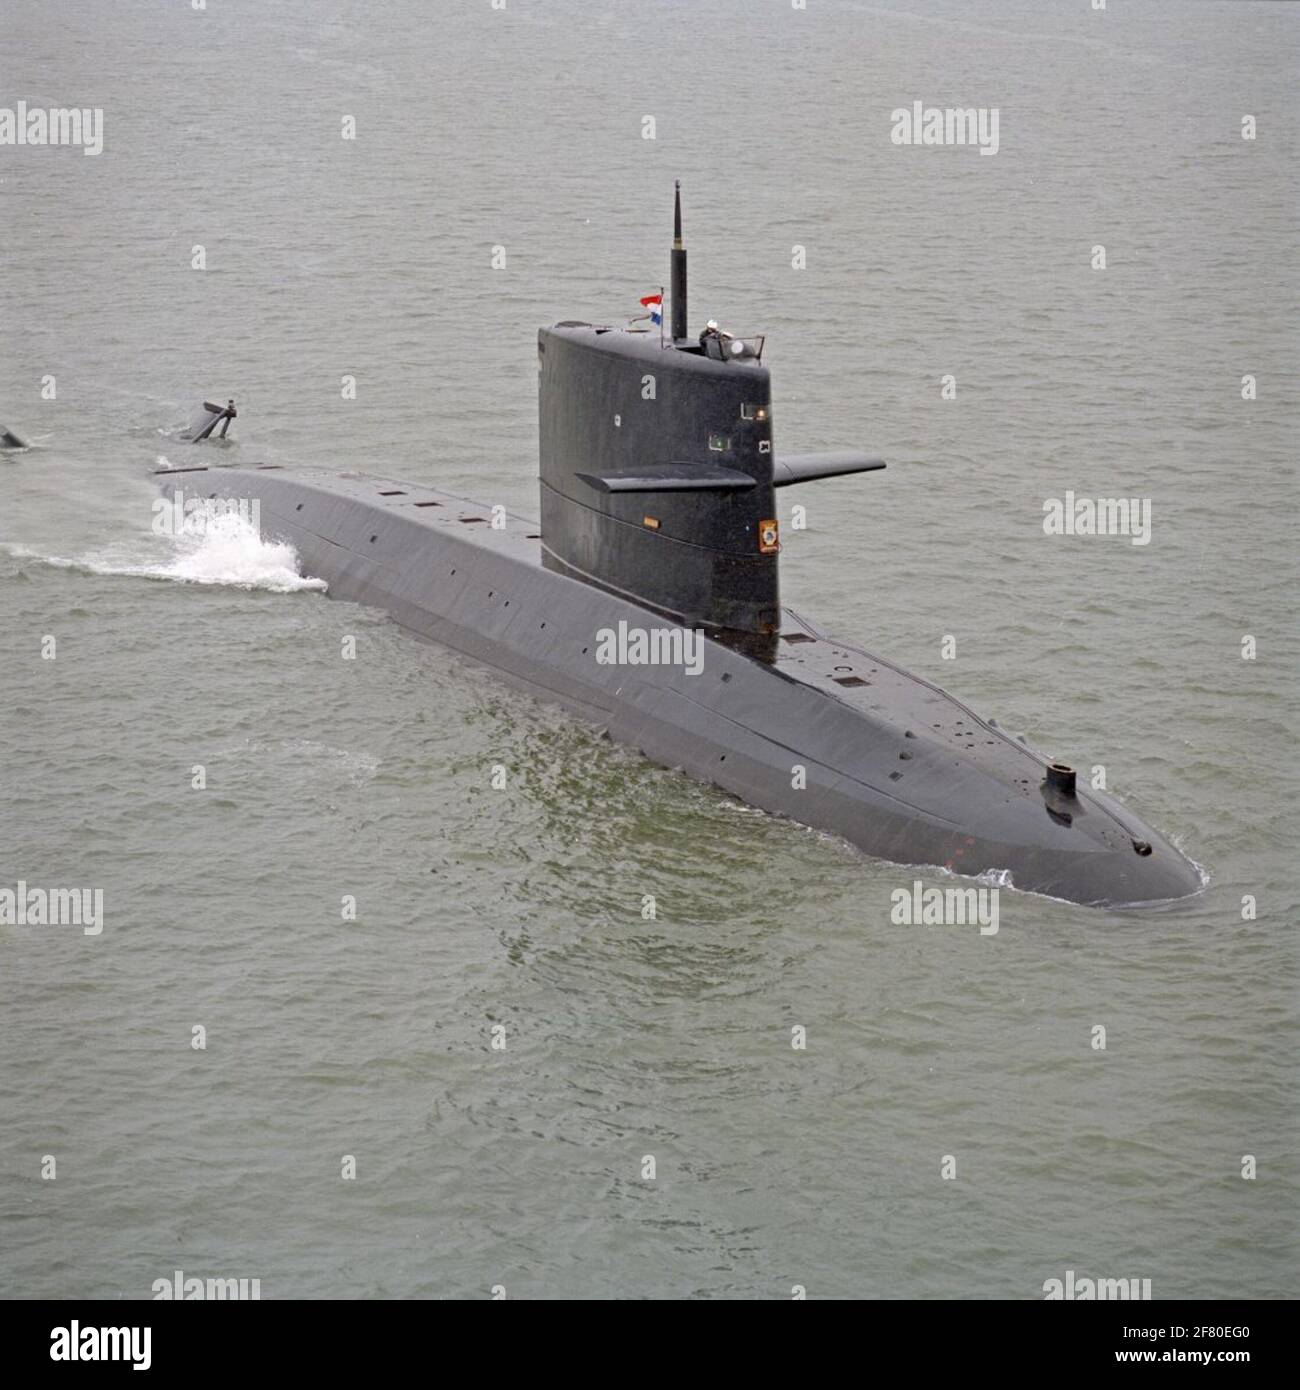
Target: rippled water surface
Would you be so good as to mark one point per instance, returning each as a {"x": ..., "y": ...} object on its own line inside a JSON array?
[{"x": 521, "y": 906}]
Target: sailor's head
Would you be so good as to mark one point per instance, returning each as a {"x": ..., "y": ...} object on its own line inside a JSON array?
[{"x": 711, "y": 326}]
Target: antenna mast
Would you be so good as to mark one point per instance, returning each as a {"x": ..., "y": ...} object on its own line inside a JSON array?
[{"x": 678, "y": 267}]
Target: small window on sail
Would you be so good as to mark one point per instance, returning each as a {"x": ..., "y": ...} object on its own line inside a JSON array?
[
  {"x": 753, "y": 412},
  {"x": 719, "y": 443}
]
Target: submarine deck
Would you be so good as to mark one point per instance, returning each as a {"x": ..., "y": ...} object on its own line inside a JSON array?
[{"x": 840, "y": 670}]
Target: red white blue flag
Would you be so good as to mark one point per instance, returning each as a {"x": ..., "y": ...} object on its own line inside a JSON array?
[{"x": 655, "y": 303}]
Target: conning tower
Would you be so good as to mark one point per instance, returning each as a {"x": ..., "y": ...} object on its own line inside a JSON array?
[{"x": 657, "y": 465}]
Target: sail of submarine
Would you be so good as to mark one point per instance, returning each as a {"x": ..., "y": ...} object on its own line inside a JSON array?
[{"x": 658, "y": 506}]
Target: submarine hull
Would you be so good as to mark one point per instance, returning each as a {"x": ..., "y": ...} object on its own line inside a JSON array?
[{"x": 823, "y": 732}]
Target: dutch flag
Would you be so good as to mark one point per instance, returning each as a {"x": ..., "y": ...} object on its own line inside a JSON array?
[{"x": 655, "y": 303}]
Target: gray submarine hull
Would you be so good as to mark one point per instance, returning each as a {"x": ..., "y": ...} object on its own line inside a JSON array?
[{"x": 889, "y": 762}]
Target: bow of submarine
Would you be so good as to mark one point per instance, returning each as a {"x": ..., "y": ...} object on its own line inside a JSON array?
[{"x": 981, "y": 800}]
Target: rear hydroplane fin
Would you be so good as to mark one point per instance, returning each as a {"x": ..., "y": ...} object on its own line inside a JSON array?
[{"x": 212, "y": 415}]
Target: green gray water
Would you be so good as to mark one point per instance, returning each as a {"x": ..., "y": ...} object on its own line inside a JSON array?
[{"x": 521, "y": 906}]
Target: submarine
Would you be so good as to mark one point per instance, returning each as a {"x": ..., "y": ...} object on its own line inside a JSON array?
[{"x": 647, "y": 602}]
